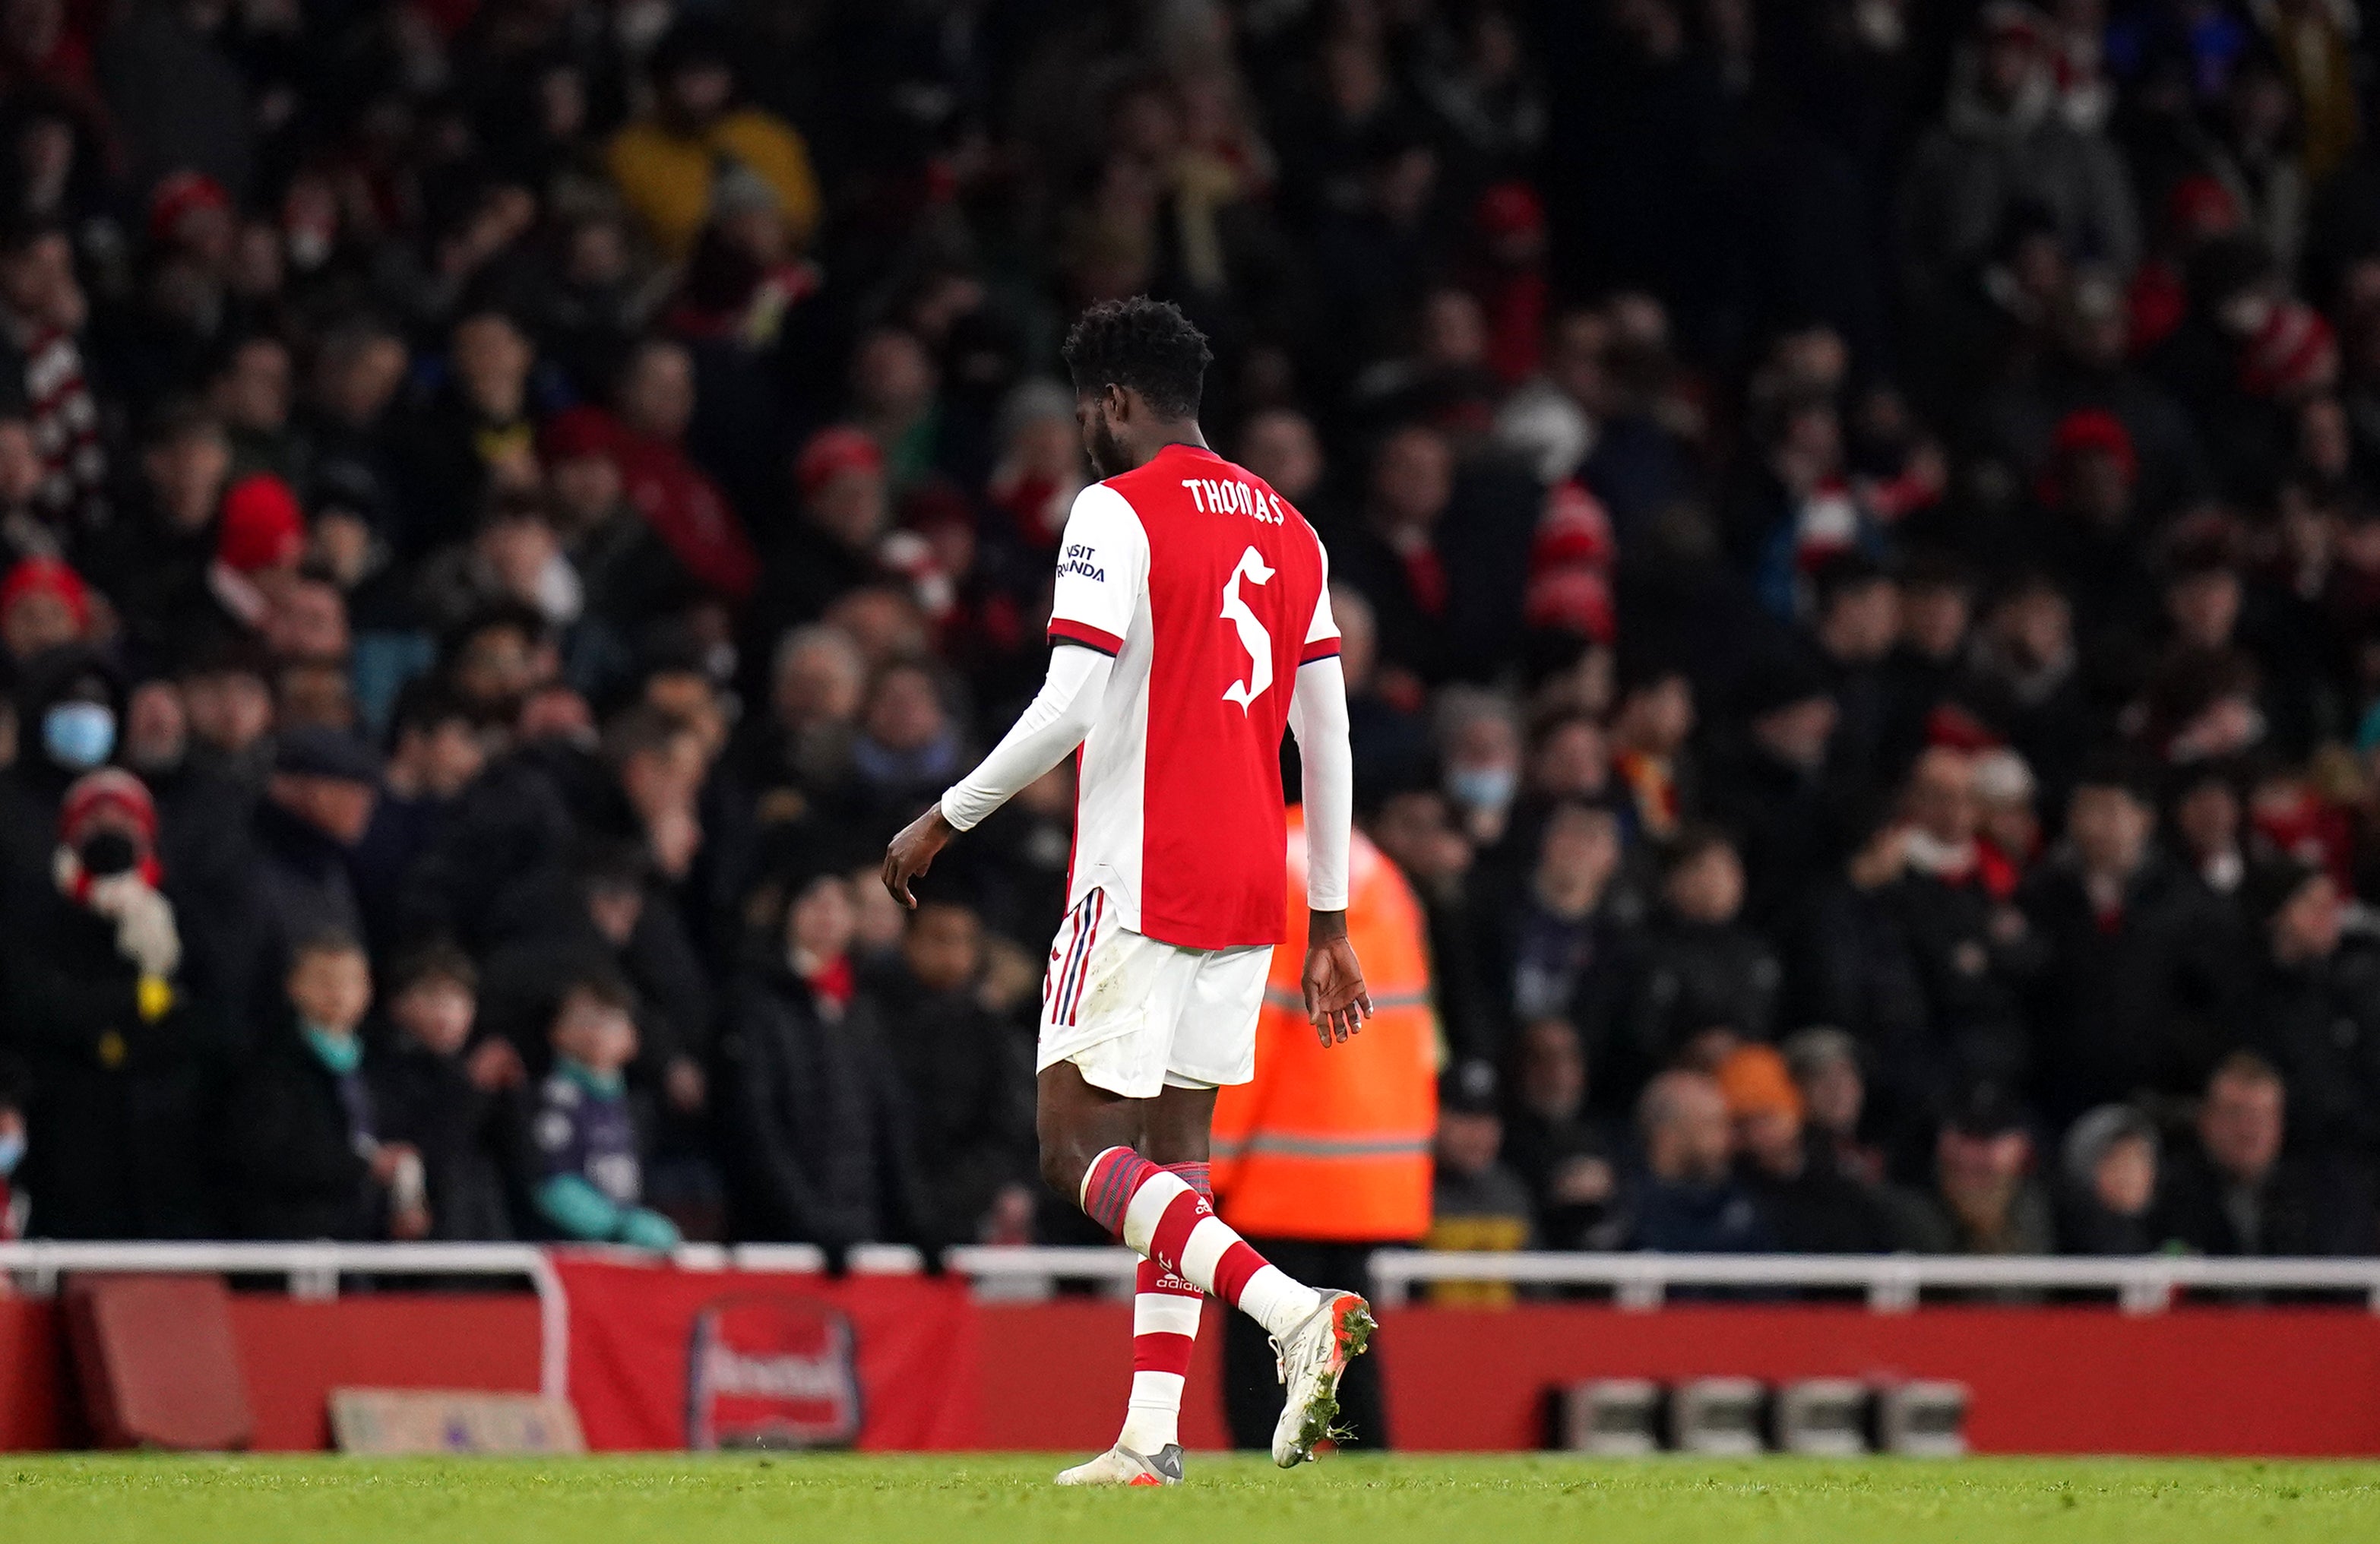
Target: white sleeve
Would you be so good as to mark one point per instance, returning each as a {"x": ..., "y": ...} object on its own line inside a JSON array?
[
  {"x": 1322, "y": 634},
  {"x": 1044, "y": 735},
  {"x": 1317, "y": 716},
  {"x": 1102, "y": 572}
]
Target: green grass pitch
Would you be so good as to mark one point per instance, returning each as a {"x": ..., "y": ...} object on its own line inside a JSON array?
[{"x": 994, "y": 1499}]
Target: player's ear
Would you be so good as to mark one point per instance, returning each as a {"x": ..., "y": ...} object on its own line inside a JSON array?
[{"x": 1115, "y": 403}]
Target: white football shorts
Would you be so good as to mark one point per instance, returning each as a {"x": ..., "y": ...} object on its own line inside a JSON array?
[{"x": 1136, "y": 1014}]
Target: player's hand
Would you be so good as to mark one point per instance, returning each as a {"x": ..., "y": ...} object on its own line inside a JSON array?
[
  {"x": 912, "y": 852},
  {"x": 1336, "y": 1002}
]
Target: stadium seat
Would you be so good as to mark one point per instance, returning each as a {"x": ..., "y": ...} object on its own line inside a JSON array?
[{"x": 156, "y": 1363}]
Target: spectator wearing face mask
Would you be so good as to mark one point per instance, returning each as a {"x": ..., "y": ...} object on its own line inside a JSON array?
[
  {"x": 93, "y": 962},
  {"x": 1479, "y": 743},
  {"x": 67, "y": 716}
]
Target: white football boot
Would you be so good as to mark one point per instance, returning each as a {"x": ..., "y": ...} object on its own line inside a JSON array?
[
  {"x": 1311, "y": 1362},
  {"x": 1120, "y": 1465}
]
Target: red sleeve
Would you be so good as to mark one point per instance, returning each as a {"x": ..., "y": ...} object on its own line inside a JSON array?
[{"x": 1065, "y": 630}]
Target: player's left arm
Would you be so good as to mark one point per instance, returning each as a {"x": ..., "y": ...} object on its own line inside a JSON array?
[{"x": 1336, "y": 1001}]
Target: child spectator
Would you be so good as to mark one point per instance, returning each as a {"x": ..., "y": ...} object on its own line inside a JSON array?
[
  {"x": 589, "y": 1174},
  {"x": 305, "y": 1144},
  {"x": 447, "y": 1105},
  {"x": 13, "y": 1207}
]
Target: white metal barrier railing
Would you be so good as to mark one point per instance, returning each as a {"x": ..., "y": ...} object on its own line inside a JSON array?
[
  {"x": 2144, "y": 1284},
  {"x": 313, "y": 1271}
]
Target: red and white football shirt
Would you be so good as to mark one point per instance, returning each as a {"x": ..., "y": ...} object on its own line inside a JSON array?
[{"x": 1209, "y": 590}]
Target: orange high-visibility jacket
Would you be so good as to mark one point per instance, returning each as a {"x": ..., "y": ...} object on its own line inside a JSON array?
[{"x": 1333, "y": 1143}]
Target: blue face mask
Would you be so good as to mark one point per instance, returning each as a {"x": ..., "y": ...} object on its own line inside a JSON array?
[
  {"x": 78, "y": 735},
  {"x": 1482, "y": 787},
  {"x": 12, "y": 1152}
]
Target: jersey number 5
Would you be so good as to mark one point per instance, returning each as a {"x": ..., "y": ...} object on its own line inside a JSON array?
[{"x": 1253, "y": 637}]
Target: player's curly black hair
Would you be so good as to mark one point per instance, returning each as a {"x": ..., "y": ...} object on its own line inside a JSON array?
[{"x": 1146, "y": 345}]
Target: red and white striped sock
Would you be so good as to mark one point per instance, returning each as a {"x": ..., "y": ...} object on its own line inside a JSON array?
[
  {"x": 1165, "y": 1220},
  {"x": 1164, "y": 1326}
]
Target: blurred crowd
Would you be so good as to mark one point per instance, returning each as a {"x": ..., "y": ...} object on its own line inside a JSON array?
[{"x": 1854, "y": 524}]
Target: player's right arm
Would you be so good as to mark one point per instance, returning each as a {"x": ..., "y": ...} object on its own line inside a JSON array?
[{"x": 1103, "y": 570}]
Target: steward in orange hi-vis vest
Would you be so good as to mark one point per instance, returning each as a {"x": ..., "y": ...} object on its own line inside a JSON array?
[{"x": 1333, "y": 1143}]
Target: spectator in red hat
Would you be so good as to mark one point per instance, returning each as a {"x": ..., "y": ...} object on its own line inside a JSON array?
[
  {"x": 43, "y": 604},
  {"x": 845, "y": 511},
  {"x": 93, "y": 967},
  {"x": 190, "y": 213},
  {"x": 2093, "y": 466},
  {"x": 260, "y": 537},
  {"x": 1510, "y": 278}
]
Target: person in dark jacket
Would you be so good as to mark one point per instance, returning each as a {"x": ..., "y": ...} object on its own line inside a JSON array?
[
  {"x": 92, "y": 960},
  {"x": 2312, "y": 1008},
  {"x": 303, "y": 1143},
  {"x": 1975, "y": 953},
  {"x": 1774, "y": 791},
  {"x": 968, "y": 1079},
  {"x": 1561, "y": 1153},
  {"x": 296, "y": 880},
  {"x": 1703, "y": 974},
  {"x": 2137, "y": 993},
  {"x": 1687, "y": 1201},
  {"x": 457, "y": 1107},
  {"x": 1809, "y": 1206},
  {"x": 2108, "y": 1184},
  {"x": 819, "y": 1121},
  {"x": 1984, "y": 1198},
  {"x": 1561, "y": 950},
  {"x": 2234, "y": 1192},
  {"x": 434, "y": 753}
]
